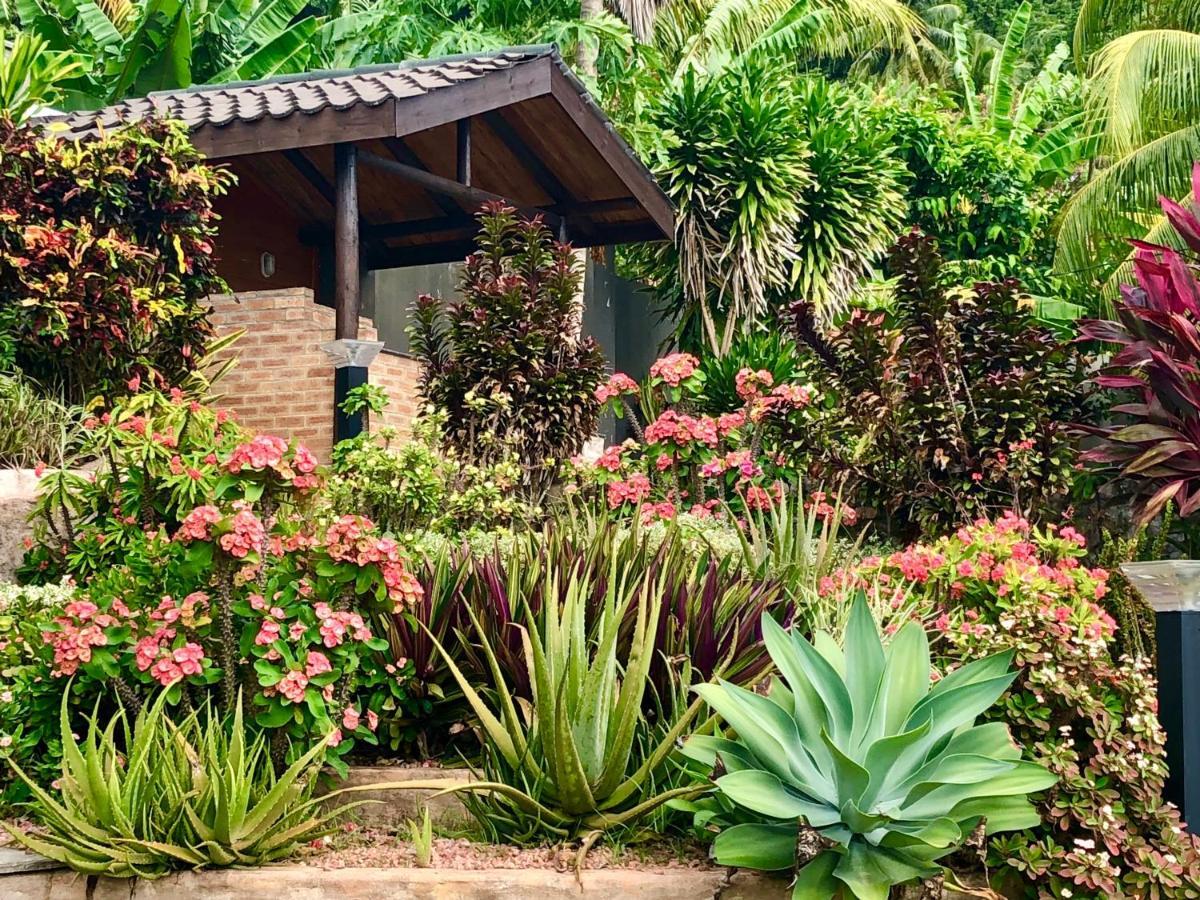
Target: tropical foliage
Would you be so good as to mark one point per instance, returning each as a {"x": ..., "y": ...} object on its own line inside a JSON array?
[
  {"x": 506, "y": 363},
  {"x": 103, "y": 278}
]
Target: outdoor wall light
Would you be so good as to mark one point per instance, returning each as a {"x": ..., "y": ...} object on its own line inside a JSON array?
[
  {"x": 350, "y": 359},
  {"x": 1172, "y": 588},
  {"x": 266, "y": 264}
]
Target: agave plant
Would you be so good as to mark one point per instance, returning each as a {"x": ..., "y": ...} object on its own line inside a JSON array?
[
  {"x": 142, "y": 801},
  {"x": 580, "y": 758},
  {"x": 856, "y": 772}
]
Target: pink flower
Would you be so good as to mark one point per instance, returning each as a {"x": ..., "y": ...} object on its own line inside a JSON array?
[
  {"x": 617, "y": 384},
  {"x": 189, "y": 657},
  {"x": 197, "y": 525},
  {"x": 372, "y": 719},
  {"x": 166, "y": 672},
  {"x": 264, "y": 451},
  {"x": 751, "y": 384},
  {"x": 268, "y": 633},
  {"x": 610, "y": 459},
  {"x": 247, "y": 535},
  {"x": 633, "y": 490},
  {"x": 134, "y": 383},
  {"x": 675, "y": 368},
  {"x": 335, "y": 737},
  {"x": 303, "y": 460},
  {"x": 292, "y": 686},
  {"x": 350, "y": 718},
  {"x": 297, "y": 630},
  {"x": 316, "y": 664}
]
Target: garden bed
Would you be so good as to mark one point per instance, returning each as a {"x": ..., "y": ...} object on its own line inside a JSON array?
[{"x": 395, "y": 807}]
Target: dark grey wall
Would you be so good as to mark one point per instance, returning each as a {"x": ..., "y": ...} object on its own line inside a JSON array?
[{"x": 616, "y": 313}]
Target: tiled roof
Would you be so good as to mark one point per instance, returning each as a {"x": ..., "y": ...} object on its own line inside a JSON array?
[{"x": 309, "y": 93}]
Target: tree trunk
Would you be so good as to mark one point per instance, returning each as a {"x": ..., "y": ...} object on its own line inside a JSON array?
[{"x": 586, "y": 54}]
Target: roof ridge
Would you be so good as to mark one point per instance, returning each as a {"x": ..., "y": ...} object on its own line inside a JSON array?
[{"x": 531, "y": 51}]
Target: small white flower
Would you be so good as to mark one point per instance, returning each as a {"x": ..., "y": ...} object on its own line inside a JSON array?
[
  {"x": 1085, "y": 843},
  {"x": 6, "y": 740}
]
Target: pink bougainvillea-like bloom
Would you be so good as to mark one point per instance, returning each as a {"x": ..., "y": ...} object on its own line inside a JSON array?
[
  {"x": 189, "y": 658},
  {"x": 303, "y": 460},
  {"x": 758, "y": 497},
  {"x": 675, "y": 368},
  {"x": 750, "y": 384},
  {"x": 633, "y": 490},
  {"x": 351, "y": 539},
  {"x": 350, "y": 718},
  {"x": 610, "y": 459},
  {"x": 197, "y": 525},
  {"x": 793, "y": 395},
  {"x": 727, "y": 422},
  {"x": 619, "y": 383},
  {"x": 264, "y": 451},
  {"x": 293, "y": 685},
  {"x": 166, "y": 672},
  {"x": 268, "y": 633},
  {"x": 682, "y": 430},
  {"x": 654, "y": 512},
  {"x": 246, "y": 536},
  {"x": 316, "y": 664}
]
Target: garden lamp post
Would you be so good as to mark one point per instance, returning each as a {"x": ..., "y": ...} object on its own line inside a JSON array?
[
  {"x": 1172, "y": 588},
  {"x": 351, "y": 360}
]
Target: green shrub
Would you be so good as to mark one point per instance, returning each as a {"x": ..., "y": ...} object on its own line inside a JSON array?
[
  {"x": 1076, "y": 707},
  {"x": 140, "y": 799},
  {"x": 854, "y": 771},
  {"x": 34, "y": 428},
  {"x": 29, "y": 696},
  {"x": 506, "y": 361}
]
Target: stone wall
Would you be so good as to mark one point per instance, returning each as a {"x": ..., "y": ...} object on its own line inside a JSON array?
[{"x": 283, "y": 382}]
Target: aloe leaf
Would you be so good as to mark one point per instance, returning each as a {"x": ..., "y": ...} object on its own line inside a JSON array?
[{"x": 870, "y": 871}]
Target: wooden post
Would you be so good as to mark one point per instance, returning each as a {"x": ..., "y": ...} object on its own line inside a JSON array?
[
  {"x": 347, "y": 298},
  {"x": 464, "y": 152}
]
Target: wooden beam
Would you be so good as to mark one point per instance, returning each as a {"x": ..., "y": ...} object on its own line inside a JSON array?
[
  {"x": 329, "y": 126},
  {"x": 403, "y": 153},
  {"x": 347, "y": 299},
  {"x": 545, "y": 179},
  {"x": 311, "y": 174},
  {"x": 464, "y": 195},
  {"x": 395, "y": 230},
  {"x": 600, "y": 134},
  {"x": 462, "y": 155}
]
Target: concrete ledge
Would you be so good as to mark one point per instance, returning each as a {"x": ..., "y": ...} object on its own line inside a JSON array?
[{"x": 311, "y": 883}]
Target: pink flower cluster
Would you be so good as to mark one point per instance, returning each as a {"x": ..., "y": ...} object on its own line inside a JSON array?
[
  {"x": 351, "y": 539},
  {"x": 73, "y": 644},
  {"x": 654, "y": 512},
  {"x": 674, "y": 369},
  {"x": 246, "y": 534},
  {"x": 633, "y": 490},
  {"x": 336, "y": 623},
  {"x": 197, "y": 525},
  {"x": 617, "y": 385},
  {"x": 751, "y": 384},
  {"x": 266, "y": 451},
  {"x": 679, "y": 429}
]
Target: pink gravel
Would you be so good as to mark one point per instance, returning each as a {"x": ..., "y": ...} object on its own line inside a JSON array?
[{"x": 377, "y": 849}]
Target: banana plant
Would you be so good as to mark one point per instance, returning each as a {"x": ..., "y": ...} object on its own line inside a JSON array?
[
  {"x": 142, "y": 801},
  {"x": 581, "y": 759},
  {"x": 130, "y": 47},
  {"x": 855, "y": 770},
  {"x": 1018, "y": 110},
  {"x": 30, "y": 74}
]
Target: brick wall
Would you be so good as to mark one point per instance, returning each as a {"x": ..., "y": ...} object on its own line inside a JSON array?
[{"x": 283, "y": 383}]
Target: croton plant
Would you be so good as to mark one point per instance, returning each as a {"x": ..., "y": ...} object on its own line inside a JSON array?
[{"x": 1157, "y": 330}]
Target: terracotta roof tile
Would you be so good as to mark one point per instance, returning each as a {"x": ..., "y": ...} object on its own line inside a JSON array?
[{"x": 280, "y": 97}]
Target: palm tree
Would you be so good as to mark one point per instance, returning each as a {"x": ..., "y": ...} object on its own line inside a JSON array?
[{"x": 1142, "y": 99}]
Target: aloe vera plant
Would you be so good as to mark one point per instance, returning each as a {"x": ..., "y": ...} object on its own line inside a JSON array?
[
  {"x": 146, "y": 799},
  {"x": 580, "y": 758},
  {"x": 855, "y": 770}
]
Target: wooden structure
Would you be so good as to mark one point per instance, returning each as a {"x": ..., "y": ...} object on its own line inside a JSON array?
[{"x": 385, "y": 166}]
